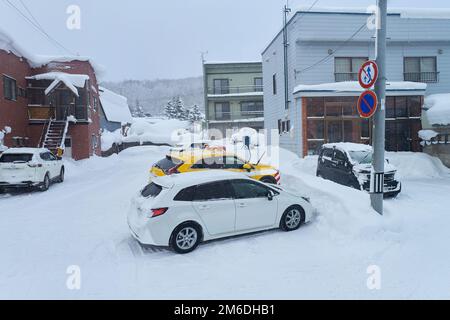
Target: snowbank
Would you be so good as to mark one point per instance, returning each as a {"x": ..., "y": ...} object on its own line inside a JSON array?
[
  {"x": 412, "y": 165},
  {"x": 438, "y": 109},
  {"x": 157, "y": 131},
  {"x": 256, "y": 138}
]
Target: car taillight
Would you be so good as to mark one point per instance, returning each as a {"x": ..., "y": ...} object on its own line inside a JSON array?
[
  {"x": 173, "y": 170},
  {"x": 158, "y": 212},
  {"x": 35, "y": 165}
]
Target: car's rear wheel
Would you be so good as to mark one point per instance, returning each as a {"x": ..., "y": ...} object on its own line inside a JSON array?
[
  {"x": 46, "y": 183},
  {"x": 186, "y": 238},
  {"x": 292, "y": 219},
  {"x": 61, "y": 175}
]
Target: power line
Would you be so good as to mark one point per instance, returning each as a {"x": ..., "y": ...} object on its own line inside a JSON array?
[
  {"x": 31, "y": 14},
  {"x": 38, "y": 27},
  {"x": 309, "y": 9},
  {"x": 325, "y": 59}
]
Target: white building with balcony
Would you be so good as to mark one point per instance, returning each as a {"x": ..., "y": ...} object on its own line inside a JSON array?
[{"x": 233, "y": 95}]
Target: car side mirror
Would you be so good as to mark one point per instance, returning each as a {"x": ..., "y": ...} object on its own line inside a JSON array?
[
  {"x": 270, "y": 195},
  {"x": 247, "y": 167}
]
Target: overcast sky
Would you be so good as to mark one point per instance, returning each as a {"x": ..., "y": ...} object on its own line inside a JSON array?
[{"x": 149, "y": 39}]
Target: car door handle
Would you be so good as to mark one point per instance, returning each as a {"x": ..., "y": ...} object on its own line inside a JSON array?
[
  {"x": 242, "y": 205},
  {"x": 204, "y": 207}
]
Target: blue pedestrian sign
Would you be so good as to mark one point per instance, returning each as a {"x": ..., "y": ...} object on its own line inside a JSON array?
[{"x": 367, "y": 104}]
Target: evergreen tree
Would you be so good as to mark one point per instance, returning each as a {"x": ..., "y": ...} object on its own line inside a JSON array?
[
  {"x": 170, "y": 110},
  {"x": 195, "y": 115}
]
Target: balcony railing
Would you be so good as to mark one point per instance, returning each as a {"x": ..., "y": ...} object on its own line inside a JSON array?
[
  {"x": 244, "y": 115},
  {"x": 235, "y": 90},
  {"x": 45, "y": 112},
  {"x": 427, "y": 77},
  {"x": 345, "y": 76}
]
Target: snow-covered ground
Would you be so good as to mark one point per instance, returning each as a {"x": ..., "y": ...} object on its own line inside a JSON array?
[{"x": 83, "y": 223}]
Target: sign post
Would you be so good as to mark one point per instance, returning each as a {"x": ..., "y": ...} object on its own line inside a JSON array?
[{"x": 379, "y": 133}]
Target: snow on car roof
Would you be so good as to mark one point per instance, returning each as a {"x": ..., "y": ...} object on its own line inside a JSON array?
[
  {"x": 348, "y": 146},
  {"x": 25, "y": 150},
  {"x": 195, "y": 178}
]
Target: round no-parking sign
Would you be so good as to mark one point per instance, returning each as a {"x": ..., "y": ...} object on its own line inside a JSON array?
[{"x": 367, "y": 104}]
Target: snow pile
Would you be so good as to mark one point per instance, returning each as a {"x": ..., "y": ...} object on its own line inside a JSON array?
[
  {"x": 438, "y": 109},
  {"x": 72, "y": 81},
  {"x": 412, "y": 165},
  {"x": 3, "y": 132},
  {"x": 157, "y": 131},
  {"x": 427, "y": 135},
  {"x": 354, "y": 86},
  {"x": 115, "y": 106},
  {"x": 111, "y": 138}
]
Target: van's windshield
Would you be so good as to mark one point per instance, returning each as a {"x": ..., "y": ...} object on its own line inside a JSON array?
[
  {"x": 19, "y": 157},
  {"x": 362, "y": 157}
]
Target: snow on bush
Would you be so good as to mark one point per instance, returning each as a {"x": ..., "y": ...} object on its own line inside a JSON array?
[
  {"x": 111, "y": 138},
  {"x": 427, "y": 135},
  {"x": 158, "y": 131},
  {"x": 438, "y": 106},
  {"x": 3, "y": 132}
]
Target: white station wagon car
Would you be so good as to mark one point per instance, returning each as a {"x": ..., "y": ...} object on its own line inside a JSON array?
[
  {"x": 29, "y": 167},
  {"x": 183, "y": 210}
]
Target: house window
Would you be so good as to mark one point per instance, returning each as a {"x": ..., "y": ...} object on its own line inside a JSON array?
[
  {"x": 284, "y": 126},
  {"x": 222, "y": 111},
  {"x": 252, "y": 109},
  {"x": 421, "y": 69},
  {"x": 347, "y": 68},
  {"x": 258, "y": 83},
  {"x": 221, "y": 86},
  {"x": 95, "y": 104},
  {"x": 10, "y": 88},
  {"x": 274, "y": 84}
]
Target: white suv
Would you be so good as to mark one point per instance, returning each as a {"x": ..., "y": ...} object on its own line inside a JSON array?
[
  {"x": 29, "y": 167},
  {"x": 180, "y": 211}
]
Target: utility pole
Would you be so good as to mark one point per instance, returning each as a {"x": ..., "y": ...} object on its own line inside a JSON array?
[
  {"x": 286, "y": 11},
  {"x": 379, "y": 132}
]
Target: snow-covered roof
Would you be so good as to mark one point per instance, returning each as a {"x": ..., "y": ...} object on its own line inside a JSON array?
[
  {"x": 406, "y": 13},
  {"x": 115, "y": 106},
  {"x": 355, "y": 87},
  {"x": 438, "y": 109},
  {"x": 36, "y": 61},
  {"x": 72, "y": 81}
]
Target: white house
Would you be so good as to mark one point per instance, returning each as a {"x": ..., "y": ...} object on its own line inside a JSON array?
[{"x": 316, "y": 102}]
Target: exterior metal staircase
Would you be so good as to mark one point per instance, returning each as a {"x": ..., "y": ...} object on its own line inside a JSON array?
[{"x": 56, "y": 135}]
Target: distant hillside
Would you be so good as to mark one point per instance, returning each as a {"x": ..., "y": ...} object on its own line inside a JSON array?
[{"x": 153, "y": 95}]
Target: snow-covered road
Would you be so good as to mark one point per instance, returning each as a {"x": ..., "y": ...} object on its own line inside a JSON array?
[{"x": 83, "y": 223}]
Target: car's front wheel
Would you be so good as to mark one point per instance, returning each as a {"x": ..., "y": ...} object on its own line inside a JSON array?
[
  {"x": 61, "y": 175},
  {"x": 292, "y": 219},
  {"x": 46, "y": 183},
  {"x": 186, "y": 238}
]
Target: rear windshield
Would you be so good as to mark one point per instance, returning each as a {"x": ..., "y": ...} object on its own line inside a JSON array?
[
  {"x": 151, "y": 191},
  {"x": 11, "y": 158},
  {"x": 167, "y": 163}
]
